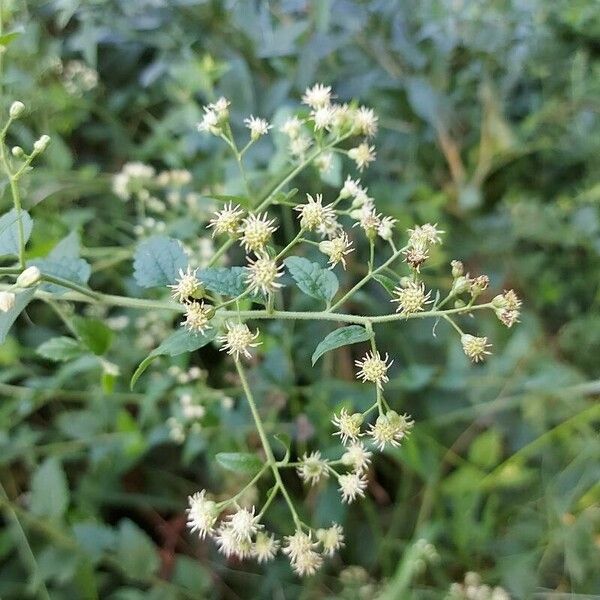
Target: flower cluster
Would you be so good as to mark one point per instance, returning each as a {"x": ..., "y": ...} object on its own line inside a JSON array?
[{"x": 473, "y": 589}]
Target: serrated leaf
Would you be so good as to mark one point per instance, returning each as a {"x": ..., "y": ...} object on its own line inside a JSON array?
[
  {"x": 7, "y": 319},
  {"x": 49, "y": 490},
  {"x": 93, "y": 334},
  {"x": 9, "y": 231},
  {"x": 312, "y": 279},
  {"x": 72, "y": 269},
  {"x": 341, "y": 337},
  {"x": 179, "y": 342},
  {"x": 157, "y": 261},
  {"x": 240, "y": 462},
  {"x": 60, "y": 349}
]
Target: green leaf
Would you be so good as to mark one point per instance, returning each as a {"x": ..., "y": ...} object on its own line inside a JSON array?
[
  {"x": 387, "y": 282},
  {"x": 240, "y": 462},
  {"x": 486, "y": 449},
  {"x": 341, "y": 337},
  {"x": 60, "y": 349},
  {"x": 8, "y": 318},
  {"x": 312, "y": 279},
  {"x": 76, "y": 270},
  {"x": 93, "y": 334},
  {"x": 225, "y": 281},
  {"x": 49, "y": 490},
  {"x": 243, "y": 201},
  {"x": 157, "y": 261},
  {"x": 179, "y": 342},
  {"x": 135, "y": 552},
  {"x": 9, "y": 231},
  {"x": 7, "y": 38}
]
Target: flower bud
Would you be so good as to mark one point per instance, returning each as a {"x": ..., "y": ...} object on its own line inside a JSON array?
[
  {"x": 29, "y": 277},
  {"x": 458, "y": 268},
  {"x": 7, "y": 301},
  {"x": 41, "y": 144},
  {"x": 461, "y": 285},
  {"x": 16, "y": 109},
  {"x": 17, "y": 151},
  {"x": 499, "y": 301},
  {"x": 405, "y": 282}
]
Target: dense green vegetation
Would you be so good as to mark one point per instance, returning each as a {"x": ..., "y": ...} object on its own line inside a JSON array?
[{"x": 489, "y": 126}]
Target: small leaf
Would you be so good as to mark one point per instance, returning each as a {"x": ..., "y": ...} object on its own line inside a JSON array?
[
  {"x": 9, "y": 231},
  {"x": 8, "y": 318},
  {"x": 72, "y": 269},
  {"x": 179, "y": 342},
  {"x": 225, "y": 281},
  {"x": 341, "y": 337},
  {"x": 157, "y": 261},
  {"x": 135, "y": 551},
  {"x": 286, "y": 441},
  {"x": 7, "y": 38},
  {"x": 312, "y": 279},
  {"x": 240, "y": 462},
  {"x": 93, "y": 334},
  {"x": 387, "y": 282},
  {"x": 60, "y": 349},
  {"x": 49, "y": 490}
]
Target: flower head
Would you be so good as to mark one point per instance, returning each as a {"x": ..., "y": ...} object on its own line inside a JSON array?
[
  {"x": 331, "y": 539},
  {"x": 258, "y": 127},
  {"x": 336, "y": 249},
  {"x": 244, "y": 524},
  {"x": 426, "y": 234},
  {"x": 312, "y": 468},
  {"x": 507, "y": 307},
  {"x": 365, "y": 121},
  {"x": 202, "y": 514},
  {"x": 313, "y": 213},
  {"x": 390, "y": 428},
  {"x": 351, "y": 188},
  {"x": 265, "y": 547},
  {"x": 226, "y": 220},
  {"x": 186, "y": 286},
  {"x": 198, "y": 316},
  {"x": 357, "y": 457},
  {"x": 369, "y": 220},
  {"x": 263, "y": 274},
  {"x": 292, "y": 127},
  {"x": 410, "y": 298},
  {"x": 317, "y": 96},
  {"x": 373, "y": 368},
  {"x": 256, "y": 232},
  {"x": 475, "y": 347},
  {"x": 362, "y": 155},
  {"x": 210, "y": 122},
  {"x": 238, "y": 339},
  {"x": 348, "y": 425},
  {"x": 301, "y": 551},
  {"x": 352, "y": 485},
  {"x": 323, "y": 117},
  {"x": 229, "y": 544}
]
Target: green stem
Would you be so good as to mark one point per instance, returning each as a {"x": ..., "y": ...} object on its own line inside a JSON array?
[{"x": 265, "y": 442}]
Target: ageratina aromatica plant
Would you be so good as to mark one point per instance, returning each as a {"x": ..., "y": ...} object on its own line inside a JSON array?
[{"x": 224, "y": 305}]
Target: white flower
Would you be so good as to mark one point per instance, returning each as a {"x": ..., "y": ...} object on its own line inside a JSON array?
[
  {"x": 221, "y": 108},
  {"x": 351, "y": 486},
  {"x": 197, "y": 317},
  {"x": 238, "y": 340},
  {"x": 317, "y": 96},
  {"x": 244, "y": 524},
  {"x": 258, "y": 127},
  {"x": 390, "y": 428},
  {"x": 373, "y": 368},
  {"x": 30, "y": 276},
  {"x": 312, "y": 468},
  {"x": 507, "y": 307},
  {"x": 265, "y": 547},
  {"x": 410, "y": 298},
  {"x": 300, "y": 549},
  {"x": 323, "y": 117},
  {"x": 226, "y": 220},
  {"x": 313, "y": 213},
  {"x": 386, "y": 228},
  {"x": 202, "y": 514},
  {"x": 369, "y": 220},
  {"x": 331, "y": 539},
  {"x": 229, "y": 544},
  {"x": 357, "y": 457},
  {"x": 292, "y": 127},
  {"x": 256, "y": 232},
  {"x": 210, "y": 122},
  {"x": 324, "y": 162},
  {"x": 350, "y": 188},
  {"x": 263, "y": 274},
  {"x": 300, "y": 145},
  {"x": 365, "y": 121},
  {"x": 348, "y": 425},
  {"x": 426, "y": 234},
  {"x": 186, "y": 286},
  {"x": 7, "y": 301},
  {"x": 362, "y": 155},
  {"x": 474, "y": 347},
  {"x": 336, "y": 249}
]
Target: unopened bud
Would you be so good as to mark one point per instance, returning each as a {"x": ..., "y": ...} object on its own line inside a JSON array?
[
  {"x": 16, "y": 109},
  {"x": 405, "y": 282},
  {"x": 7, "y": 301},
  {"x": 17, "y": 151},
  {"x": 461, "y": 285},
  {"x": 41, "y": 144},
  {"x": 499, "y": 302},
  {"x": 458, "y": 268},
  {"x": 29, "y": 277}
]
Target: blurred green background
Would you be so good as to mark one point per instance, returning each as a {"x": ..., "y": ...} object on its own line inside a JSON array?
[{"x": 490, "y": 126}]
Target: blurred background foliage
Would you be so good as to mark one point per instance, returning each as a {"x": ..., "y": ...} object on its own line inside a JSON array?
[{"x": 490, "y": 127}]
